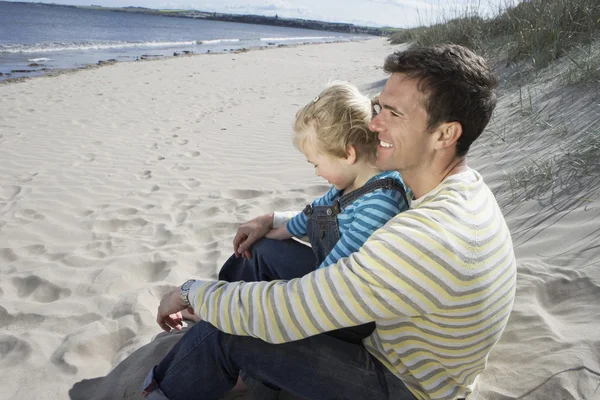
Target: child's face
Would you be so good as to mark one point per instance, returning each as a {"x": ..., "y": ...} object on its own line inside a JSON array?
[{"x": 334, "y": 169}]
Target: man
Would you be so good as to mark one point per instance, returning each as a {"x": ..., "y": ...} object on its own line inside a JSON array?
[{"x": 438, "y": 280}]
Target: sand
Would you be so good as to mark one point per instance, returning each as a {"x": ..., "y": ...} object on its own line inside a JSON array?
[{"x": 120, "y": 181}]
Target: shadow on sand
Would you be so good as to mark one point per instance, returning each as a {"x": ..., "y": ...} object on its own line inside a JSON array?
[{"x": 125, "y": 380}]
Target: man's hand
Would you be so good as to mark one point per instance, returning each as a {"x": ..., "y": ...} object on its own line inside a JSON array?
[
  {"x": 248, "y": 233},
  {"x": 280, "y": 233},
  {"x": 169, "y": 311}
]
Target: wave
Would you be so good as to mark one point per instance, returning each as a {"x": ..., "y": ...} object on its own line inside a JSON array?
[
  {"x": 39, "y": 59},
  {"x": 107, "y": 45},
  {"x": 283, "y": 39},
  {"x": 217, "y": 41},
  {"x": 77, "y": 46}
]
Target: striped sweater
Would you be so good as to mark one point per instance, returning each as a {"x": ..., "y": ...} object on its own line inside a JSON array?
[
  {"x": 358, "y": 220},
  {"x": 438, "y": 280}
]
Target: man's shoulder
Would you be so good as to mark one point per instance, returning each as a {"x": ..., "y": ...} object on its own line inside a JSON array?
[{"x": 460, "y": 189}]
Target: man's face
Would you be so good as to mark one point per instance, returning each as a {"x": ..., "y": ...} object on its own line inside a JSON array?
[{"x": 401, "y": 124}]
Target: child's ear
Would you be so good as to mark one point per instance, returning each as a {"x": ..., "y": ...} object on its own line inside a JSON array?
[{"x": 350, "y": 155}]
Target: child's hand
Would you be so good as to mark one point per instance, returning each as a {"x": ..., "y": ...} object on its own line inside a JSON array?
[{"x": 250, "y": 232}]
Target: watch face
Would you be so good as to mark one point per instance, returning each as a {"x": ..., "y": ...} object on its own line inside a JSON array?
[
  {"x": 187, "y": 284},
  {"x": 185, "y": 291}
]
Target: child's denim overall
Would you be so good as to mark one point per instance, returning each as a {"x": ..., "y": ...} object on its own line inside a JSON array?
[{"x": 323, "y": 232}]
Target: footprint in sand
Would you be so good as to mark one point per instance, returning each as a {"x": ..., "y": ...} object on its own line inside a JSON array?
[
  {"x": 86, "y": 213},
  {"x": 100, "y": 248},
  {"x": 243, "y": 194},
  {"x": 13, "y": 351},
  {"x": 125, "y": 212},
  {"x": 84, "y": 158},
  {"x": 26, "y": 178},
  {"x": 181, "y": 217},
  {"x": 210, "y": 212},
  {"x": 279, "y": 204},
  {"x": 314, "y": 190},
  {"x": 182, "y": 142},
  {"x": 191, "y": 183},
  {"x": 118, "y": 225},
  {"x": 34, "y": 250},
  {"x": 191, "y": 154},
  {"x": 192, "y": 203},
  {"x": 146, "y": 174},
  {"x": 19, "y": 320},
  {"x": 39, "y": 289},
  {"x": 212, "y": 255},
  {"x": 164, "y": 236},
  {"x": 9, "y": 192},
  {"x": 8, "y": 255},
  {"x": 179, "y": 168},
  {"x": 89, "y": 347},
  {"x": 154, "y": 271},
  {"x": 28, "y": 215}
]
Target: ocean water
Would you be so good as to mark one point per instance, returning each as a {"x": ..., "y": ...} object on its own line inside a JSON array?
[{"x": 66, "y": 37}]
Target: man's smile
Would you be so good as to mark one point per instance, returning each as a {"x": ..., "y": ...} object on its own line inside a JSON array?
[{"x": 385, "y": 144}]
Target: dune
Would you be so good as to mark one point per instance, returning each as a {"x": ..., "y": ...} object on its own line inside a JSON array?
[{"x": 117, "y": 182}]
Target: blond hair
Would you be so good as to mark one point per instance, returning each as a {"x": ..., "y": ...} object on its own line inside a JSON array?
[{"x": 340, "y": 117}]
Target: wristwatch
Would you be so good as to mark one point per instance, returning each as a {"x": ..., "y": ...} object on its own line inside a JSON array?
[{"x": 185, "y": 291}]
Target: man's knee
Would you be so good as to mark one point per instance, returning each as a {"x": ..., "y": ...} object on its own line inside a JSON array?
[
  {"x": 266, "y": 246},
  {"x": 239, "y": 268}
]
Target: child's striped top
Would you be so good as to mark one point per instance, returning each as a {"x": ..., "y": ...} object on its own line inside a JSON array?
[{"x": 359, "y": 219}]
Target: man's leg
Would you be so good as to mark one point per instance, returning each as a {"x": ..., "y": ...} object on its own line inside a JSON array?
[
  {"x": 271, "y": 260},
  {"x": 206, "y": 362}
]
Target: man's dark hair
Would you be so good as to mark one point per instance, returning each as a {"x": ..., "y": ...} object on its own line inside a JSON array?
[{"x": 458, "y": 85}]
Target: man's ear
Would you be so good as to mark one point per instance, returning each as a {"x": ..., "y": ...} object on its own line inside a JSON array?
[
  {"x": 448, "y": 135},
  {"x": 350, "y": 155}
]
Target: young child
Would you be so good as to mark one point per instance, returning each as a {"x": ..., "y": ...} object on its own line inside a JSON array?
[{"x": 332, "y": 132}]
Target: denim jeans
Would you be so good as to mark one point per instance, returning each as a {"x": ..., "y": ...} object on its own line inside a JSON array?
[
  {"x": 271, "y": 260},
  {"x": 206, "y": 362}
]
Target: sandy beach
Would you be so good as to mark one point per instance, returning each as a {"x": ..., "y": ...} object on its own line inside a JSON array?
[{"x": 119, "y": 181}]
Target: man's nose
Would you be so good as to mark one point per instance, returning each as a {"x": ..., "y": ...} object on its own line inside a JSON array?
[{"x": 374, "y": 124}]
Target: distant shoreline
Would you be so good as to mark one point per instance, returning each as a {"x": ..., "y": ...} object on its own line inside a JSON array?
[
  {"x": 238, "y": 18},
  {"x": 147, "y": 58}
]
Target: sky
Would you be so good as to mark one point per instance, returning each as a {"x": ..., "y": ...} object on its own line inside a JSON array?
[{"x": 395, "y": 13}]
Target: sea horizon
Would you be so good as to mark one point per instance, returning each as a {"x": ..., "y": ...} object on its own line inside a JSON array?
[{"x": 37, "y": 38}]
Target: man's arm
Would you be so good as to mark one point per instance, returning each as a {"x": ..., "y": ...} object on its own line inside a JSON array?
[
  {"x": 359, "y": 289},
  {"x": 280, "y": 233}
]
